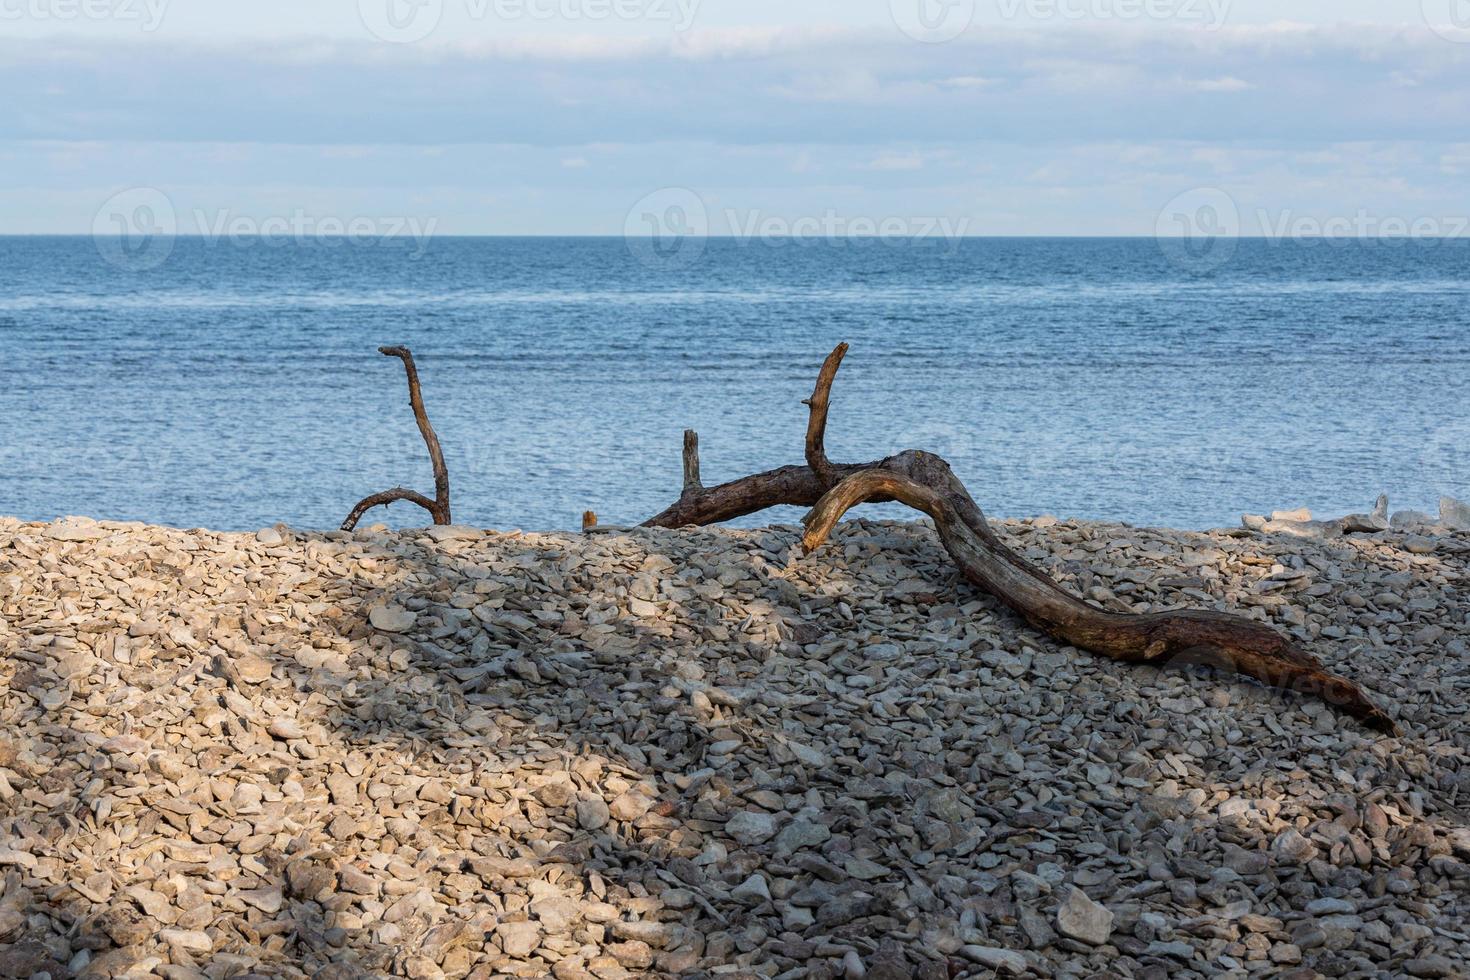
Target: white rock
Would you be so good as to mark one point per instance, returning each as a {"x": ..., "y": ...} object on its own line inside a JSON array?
[
  {"x": 1290, "y": 847},
  {"x": 72, "y": 530},
  {"x": 253, "y": 669},
  {"x": 752, "y": 891},
  {"x": 751, "y": 827},
  {"x": 192, "y": 940},
  {"x": 268, "y": 900},
  {"x": 286, "y": 728},
  {"x": 392, "y": 619},
  {"x": 808, "y": 756},
  {"x": 518, "y": 939},
  {"x": 630, "y": 806},
  {"x": 1003, "y": 961},
  {"x": 454, "y": 532},
  {"x": 1080, "y": 918},
  {"x": 269, "y": 537},
  {"x": 1454, "y": 514},
  {"x": 642, "y": 608},
  {"x": 19, "y": 858}
]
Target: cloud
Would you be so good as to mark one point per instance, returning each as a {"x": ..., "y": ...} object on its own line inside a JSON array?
[
  {"x": 749, "y": 87},
  {"x": 1065, "y": 129},
  {"x": 898, "y": 161},
  {"x": 1228, "y": 83}
]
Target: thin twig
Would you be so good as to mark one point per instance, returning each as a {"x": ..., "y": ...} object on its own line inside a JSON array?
[{"x": 438, "y": 508}]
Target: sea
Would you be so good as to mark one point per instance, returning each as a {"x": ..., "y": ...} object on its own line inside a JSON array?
[{"x": 235, "y": 383}]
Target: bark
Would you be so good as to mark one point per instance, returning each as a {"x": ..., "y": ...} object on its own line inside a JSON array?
[
  {"x": 925, "y": 482},
  {"x": 438, "y": 508}
]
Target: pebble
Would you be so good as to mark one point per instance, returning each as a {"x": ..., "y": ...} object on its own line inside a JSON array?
[
  {"x": 465, "y": 754},
  {"x": 192, "y": 940},
  {"x": 392, "y": 619},
  {"x": 752, "y": 891},
  {"x": 1079, "y": 917},
  {"x": 518, "y": 939},
  {"x": 751, "y": 827},
  {"x": 1002, "y": 961},
  {"x": 593, "y": 813}
]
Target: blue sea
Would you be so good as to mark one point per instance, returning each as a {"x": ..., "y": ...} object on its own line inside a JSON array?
[{"x": 236, "y": 383}]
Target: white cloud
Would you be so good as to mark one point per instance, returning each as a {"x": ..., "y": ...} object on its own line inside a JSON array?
[
  {"x": 898, "y": 161},
  {"x": 1227, "y": 83},
  {"x": 998, "y": 123},
  {"x": 970, "y": 82}
]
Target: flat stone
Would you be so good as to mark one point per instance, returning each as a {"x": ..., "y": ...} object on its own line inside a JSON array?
[
  {"x": 1418, "y": 545},
  {"x": 518, "y": 939},
  {"x": 286, "y": 728},
  {"x": 1290, "y": 847},
  {"x": 629, "y": 806},
  {"x": 1080, "y": 918},
  {"x": 752, "y": 890},
  {"x": 392, "y": 619},
  {"x": 68, "y": 531},
  {"x": 454, "y": 532},
  {"x": 193, "y": 940},
  {"x": 1430, "y": 966},
  {"x": 343, "y": 789},
  {"x": 252, "y": 669},
  {"x": 656, "y": 934},
  {"x": 1003, "y": 961},
  {"x": 1330, "y": 906},
  {"x": 751, "y": 827}
]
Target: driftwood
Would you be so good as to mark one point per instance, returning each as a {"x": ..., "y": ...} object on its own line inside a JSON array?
[
  {"x": 438, "y": 508},
  {"x": 925, "y": 482}
]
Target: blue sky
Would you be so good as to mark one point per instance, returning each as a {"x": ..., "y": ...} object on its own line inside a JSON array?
[{"x": 568, "y": 116}]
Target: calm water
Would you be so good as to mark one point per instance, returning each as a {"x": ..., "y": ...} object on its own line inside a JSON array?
[{"x": 238, "y": 384}]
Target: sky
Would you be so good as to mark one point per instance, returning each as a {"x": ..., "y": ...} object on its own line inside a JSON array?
[{"x": 747, "y": 117}]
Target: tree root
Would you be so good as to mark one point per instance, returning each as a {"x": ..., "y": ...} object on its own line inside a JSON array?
[
  {"x": 926, "y": 483},
  {"x": 438, "y": 508}
]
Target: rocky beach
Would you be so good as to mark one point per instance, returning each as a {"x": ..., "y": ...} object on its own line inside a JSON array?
[{"x": 459, "y": 753}]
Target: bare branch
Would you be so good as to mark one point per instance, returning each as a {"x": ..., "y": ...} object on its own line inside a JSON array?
[
  {"x": 816, "y": 426},
  {"x": 438, "y": 508},
  {"x": 926, "y": 482}
]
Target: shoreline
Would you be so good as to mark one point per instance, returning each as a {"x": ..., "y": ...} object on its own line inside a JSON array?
[{"x": 448, "y": 752}]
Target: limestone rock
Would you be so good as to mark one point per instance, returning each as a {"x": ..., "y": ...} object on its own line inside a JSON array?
[
  {"x": 1080, "y": 918},
  {"x": 392, "y": 619}
]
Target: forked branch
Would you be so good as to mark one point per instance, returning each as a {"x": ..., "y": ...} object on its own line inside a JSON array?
[
  {"x": 438, "y": 508},
  {"x": 926, "y": 482}
]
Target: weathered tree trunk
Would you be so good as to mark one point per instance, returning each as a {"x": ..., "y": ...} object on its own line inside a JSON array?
[
  {"x": 926, "y": 482},
  {"x": 438, "y": 508}
]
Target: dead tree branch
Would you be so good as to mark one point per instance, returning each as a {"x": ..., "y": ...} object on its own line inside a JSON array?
[
  {"x": 438, "y": 508},
  {"x": 926, "y": 482}
]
